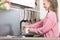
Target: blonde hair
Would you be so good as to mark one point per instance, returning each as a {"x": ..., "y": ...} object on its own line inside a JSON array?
[{"x": 54, "y": 6}]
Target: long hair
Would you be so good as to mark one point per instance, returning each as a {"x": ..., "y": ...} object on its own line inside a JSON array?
[{"x": 54, "y": 6}]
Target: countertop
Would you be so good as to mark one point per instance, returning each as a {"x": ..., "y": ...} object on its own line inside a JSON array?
[{"x": 26, "y": 38}]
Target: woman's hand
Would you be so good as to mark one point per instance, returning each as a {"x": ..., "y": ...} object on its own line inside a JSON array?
[{"x": 26, "y": 29}]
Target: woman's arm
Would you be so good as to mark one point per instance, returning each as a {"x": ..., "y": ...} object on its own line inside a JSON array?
[
  {"x": 37, "y": 24},
  {"x": 47, "y": 26}
]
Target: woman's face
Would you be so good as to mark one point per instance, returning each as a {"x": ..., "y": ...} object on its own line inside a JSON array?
[{"x": 46, "y": 4}]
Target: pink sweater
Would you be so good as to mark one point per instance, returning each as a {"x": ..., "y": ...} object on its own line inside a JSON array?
[{"x": 48, "y": 26}]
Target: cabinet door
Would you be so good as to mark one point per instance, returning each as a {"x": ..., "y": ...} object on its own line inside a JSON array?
[{"x": 29, "y": 3}]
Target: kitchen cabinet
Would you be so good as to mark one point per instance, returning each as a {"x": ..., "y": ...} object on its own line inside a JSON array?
[{"x": 29, "y": 3}]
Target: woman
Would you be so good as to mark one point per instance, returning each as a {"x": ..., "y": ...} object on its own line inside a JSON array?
[{"x": 49, "y": 25}]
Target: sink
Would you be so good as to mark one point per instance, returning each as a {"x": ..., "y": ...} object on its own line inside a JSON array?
[{"x": 32, "y": 35}]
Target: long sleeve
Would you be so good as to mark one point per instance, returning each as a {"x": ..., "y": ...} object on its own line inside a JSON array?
[
  {"x": 37, "y": 24},
  {"x": 50, "y": 20}
]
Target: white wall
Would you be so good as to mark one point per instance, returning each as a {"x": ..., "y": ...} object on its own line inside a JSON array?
[{"x": 59, "y": 14}]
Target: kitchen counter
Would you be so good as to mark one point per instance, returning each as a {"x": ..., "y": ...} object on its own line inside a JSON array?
[{"x": 26, "y": 38}]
